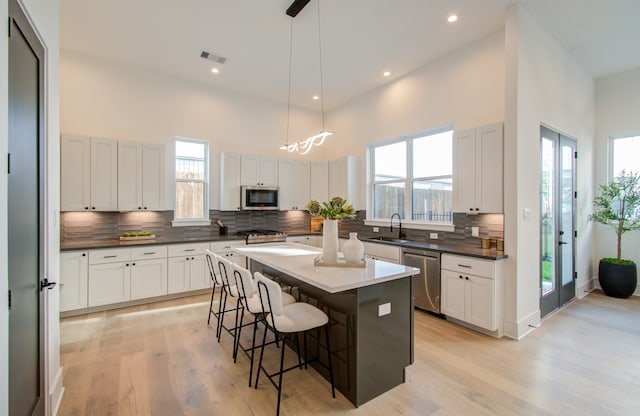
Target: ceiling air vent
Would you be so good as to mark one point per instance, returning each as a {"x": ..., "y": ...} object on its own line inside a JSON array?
[{"x": 213, "y": 57}]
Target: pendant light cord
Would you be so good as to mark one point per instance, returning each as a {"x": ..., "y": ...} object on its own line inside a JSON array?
[
  {"x": 289, "y": 92},
  {"x": 321, "y": 80}
]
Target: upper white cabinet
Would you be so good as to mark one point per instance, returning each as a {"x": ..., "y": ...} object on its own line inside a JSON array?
[
  {"x": 294, "y": 181},
  {"x": 140, "y": 176},
  {"x": 230, "y": 182},
  {"x": 259, "y": 170},
  {"x": 319, "y": 179},
  {"x": 478, "y": 170},
  {"x": 343, "y": 179},
  {"x": 88, "y": 174}
]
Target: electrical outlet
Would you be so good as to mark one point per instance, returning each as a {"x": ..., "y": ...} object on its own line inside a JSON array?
[
  {"x": 384, "y": 309},
  {"x": 475, "y": 232},
  {"x": 376, "y": 229},
  {"x": 433, "y": 236}
]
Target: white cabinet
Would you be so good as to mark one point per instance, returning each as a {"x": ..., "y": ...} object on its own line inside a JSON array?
[
  {"x": 343, "y": 179},
  {"x": 225, "y": 249},
  {"x": 74, "y": 272},
  {"x": 310, "y": 240},
  {"x": 381, "y": 251},
  {"x": 187, "y": 267},
  {"x": 109, "y": 276},
  {"x": 230, "y": 182},
  {"x": 319, "y": 180},
  {"x": 259, "y": 170},
  {"x": 471, "y": 290},
  {"x": 88, "y": 174},
  {"x": 478, "y": 170},
  {"x": 148, "y": 271},
  {"x": 293, "y": 180},
  {"x": 140, "y": 176}
]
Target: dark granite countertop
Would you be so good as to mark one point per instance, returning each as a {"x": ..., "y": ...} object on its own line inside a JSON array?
[{"x": 460, "y": 249}]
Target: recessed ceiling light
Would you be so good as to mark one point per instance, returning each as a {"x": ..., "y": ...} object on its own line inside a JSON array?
[
  {"x": 315, "y": 97},
  {"x": 386, "y": 73},
  {"x": 452, "y": 18},
  {"x": 215, "y": 70}
]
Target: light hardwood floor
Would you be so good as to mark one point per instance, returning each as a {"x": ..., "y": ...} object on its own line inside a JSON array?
[{"x": 162, "y": 359}]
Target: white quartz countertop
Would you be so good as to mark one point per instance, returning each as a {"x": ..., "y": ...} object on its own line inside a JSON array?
[{"x": 297, "y": 260}]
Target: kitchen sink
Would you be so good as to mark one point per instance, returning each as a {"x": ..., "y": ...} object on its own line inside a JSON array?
[{"x": 389, "y": 239}]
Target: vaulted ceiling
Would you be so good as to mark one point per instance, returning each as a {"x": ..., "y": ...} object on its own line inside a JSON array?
[{"x": 360, "y": 39}]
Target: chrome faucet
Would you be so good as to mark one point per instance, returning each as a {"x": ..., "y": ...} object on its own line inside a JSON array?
[{"x": 400, "y": 235}]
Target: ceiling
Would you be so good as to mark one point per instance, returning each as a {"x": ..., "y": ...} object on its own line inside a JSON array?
[{"x": 360, "y": 39}]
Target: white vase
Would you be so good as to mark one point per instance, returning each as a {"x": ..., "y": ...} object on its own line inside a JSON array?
[
  {"x": 353, "y": 249},
  {"x": 330, "y": 241}
]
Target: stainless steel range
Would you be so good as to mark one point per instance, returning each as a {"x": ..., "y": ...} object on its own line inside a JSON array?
[{"x": 263, "y": 236}]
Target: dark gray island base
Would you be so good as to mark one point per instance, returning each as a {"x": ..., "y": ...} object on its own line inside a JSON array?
[{"x": 370, "y": 348}]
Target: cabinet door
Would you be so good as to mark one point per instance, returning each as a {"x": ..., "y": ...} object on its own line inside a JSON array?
[
  {"x": 74, "y": 273},
  {"x": 452, "y": 294},
  {"x": 153, "y": 177},
  {"x": 250, "y": 170},
  {"x": 319, "y": 180},
  {"x": 464, "y": 172},
  {"x": 343, "y": 179},
  {"x": 109, "y": 283},
  {"x": 148, "y": 278},
  {"x": 230, "y": 181},
  {"x": 489, "y": 171},
  {"x": 198, "y": 273},
  {"x": 268, "y": 173},
  {"x": 75, "y": 173},
  {"x": 285, "y": 182},
  {"x": 300, "y": 185},
  {"x": 178, "y": 274},
  {"x": 104, "y": 174},
  {"x": 480, "y": 301},
  {"x": 129, "y": 176}
]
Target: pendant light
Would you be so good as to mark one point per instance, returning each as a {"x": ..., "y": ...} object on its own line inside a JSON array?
[{"x": 304, "y": 146}]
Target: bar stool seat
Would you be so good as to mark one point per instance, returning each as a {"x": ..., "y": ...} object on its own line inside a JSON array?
[{"x": 299, "y": 317}]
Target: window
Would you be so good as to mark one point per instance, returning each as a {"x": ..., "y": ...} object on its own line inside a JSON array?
[
  {"x": 192, "y": 180},
  {"x": 624, "y": 155},
  {"x": 413, "y": 176}
]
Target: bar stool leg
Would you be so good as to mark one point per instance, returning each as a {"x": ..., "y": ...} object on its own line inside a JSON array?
[
  {"x": 213, "y": 291},
  {"x": 264, "y": 340},
  {"x": 333, "y": 389},
  {"x": 281, "y": 374},
  {"x": 253, "y": 346},
  {"x": 238, "y": 330},
  {"x": 221, "y": 312}
]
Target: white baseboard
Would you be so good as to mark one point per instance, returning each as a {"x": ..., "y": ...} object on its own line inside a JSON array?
[
  {"x": 56, "y": 392},
  {"x": 521, "y": 328},
  {"x": 587, "y": 287}
]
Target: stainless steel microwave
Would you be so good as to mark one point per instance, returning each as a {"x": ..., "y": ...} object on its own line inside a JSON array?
[{"x": 260, "y": 198}]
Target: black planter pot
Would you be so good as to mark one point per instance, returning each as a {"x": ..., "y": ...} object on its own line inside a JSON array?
[{"x": 617, "y": 280}]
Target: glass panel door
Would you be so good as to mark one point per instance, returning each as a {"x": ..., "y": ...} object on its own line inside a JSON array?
[{"x": 557, "y": 224}]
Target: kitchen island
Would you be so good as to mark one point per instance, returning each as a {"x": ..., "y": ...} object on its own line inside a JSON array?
[{"x": 370, "y": 311}]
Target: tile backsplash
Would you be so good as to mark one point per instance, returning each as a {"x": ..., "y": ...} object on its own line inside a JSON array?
[{"x": 87, "y": 226}]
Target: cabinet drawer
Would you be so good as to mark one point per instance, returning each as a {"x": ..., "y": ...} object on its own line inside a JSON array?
[
  {"x": 148, "y": 252},
  {"x": 194, "y": 249},
  {"x": 388, "y": 252},
  {"x": 220, "y": 246},
  {"x": 469, "y": 265},
  {"x": 111, "y": 255}
]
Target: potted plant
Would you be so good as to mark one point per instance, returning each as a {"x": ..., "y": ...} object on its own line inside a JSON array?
[
  {"x": 618, "y": 206},
  {"x": 331, "y": 211}
]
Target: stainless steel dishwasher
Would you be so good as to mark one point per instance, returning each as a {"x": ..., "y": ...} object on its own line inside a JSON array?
[{"x": 426, "y": 284}]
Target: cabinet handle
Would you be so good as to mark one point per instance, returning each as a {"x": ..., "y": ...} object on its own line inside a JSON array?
[
  {"x": 190, "y": 249},
  {"x": 139, "y": 207},
  {"x": 460, "y": 277},
  {"x": 467, "y": 277},
  {"x": 84, "y": 254},
  {"x": 477, "y": 209},
  {"x": 147, "y": 254},
  {"x": 93, "y": 207},
  {"x": 86, "y": 207},
  {"x": 127, "y": 265},
  {"x": 61, "y": 285},
  {"x": 464, "y": 265},
  {"x": 145, "y": 208},
  {"x": 193, "y": 258},
  {"x": 133, "y": 264},
  {"x": 187, "y": 258},
  {"x": 109, "y": 257}
]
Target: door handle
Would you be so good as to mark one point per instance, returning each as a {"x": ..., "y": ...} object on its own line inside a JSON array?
[
  {"x": 47, "y": 284},
  {"x": 561, "y": 243}
]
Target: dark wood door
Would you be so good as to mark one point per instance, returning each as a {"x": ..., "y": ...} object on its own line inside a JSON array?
[{"x": 24, "y": 204}]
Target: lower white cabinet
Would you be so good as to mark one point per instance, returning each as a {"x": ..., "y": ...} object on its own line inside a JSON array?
[
  {"x": 73, "y": 280},
  {"x": 471, "y": 290},
  {"x": 310, "y": 240},
  {"x": 225, "y": 249},
  {"x": 109, "y": 283},
  {"x": 148, "y": 278},
  {"x": 187, "y": 267},
  {"x": 380, "y": 251}
]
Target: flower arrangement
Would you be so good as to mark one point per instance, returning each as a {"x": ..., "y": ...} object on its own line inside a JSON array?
[{"x": 335, "y": 209}]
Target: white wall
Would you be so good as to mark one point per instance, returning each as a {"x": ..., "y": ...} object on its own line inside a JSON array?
[
  {"x": 545, "y": 85},
  {"x": 105, "y": 99},
  {"x": 617, "y": 104},
  {"x": 464, "y": 88},
  {"x": 44, "y": 16}
]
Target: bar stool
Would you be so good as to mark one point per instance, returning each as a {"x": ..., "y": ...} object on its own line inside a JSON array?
[
  {"x": 216, "y": 281},
  {"x": 285, "y": 321},
  {"x": 250, "y": 301},
  {"x": 226, "y": 268}
]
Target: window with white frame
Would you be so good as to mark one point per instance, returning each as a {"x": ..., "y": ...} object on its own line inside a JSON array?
[
  {"x": 192, "y": 180},
  {"x": 624, "y": 155},
  {"x": 413, "y": 176}
]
